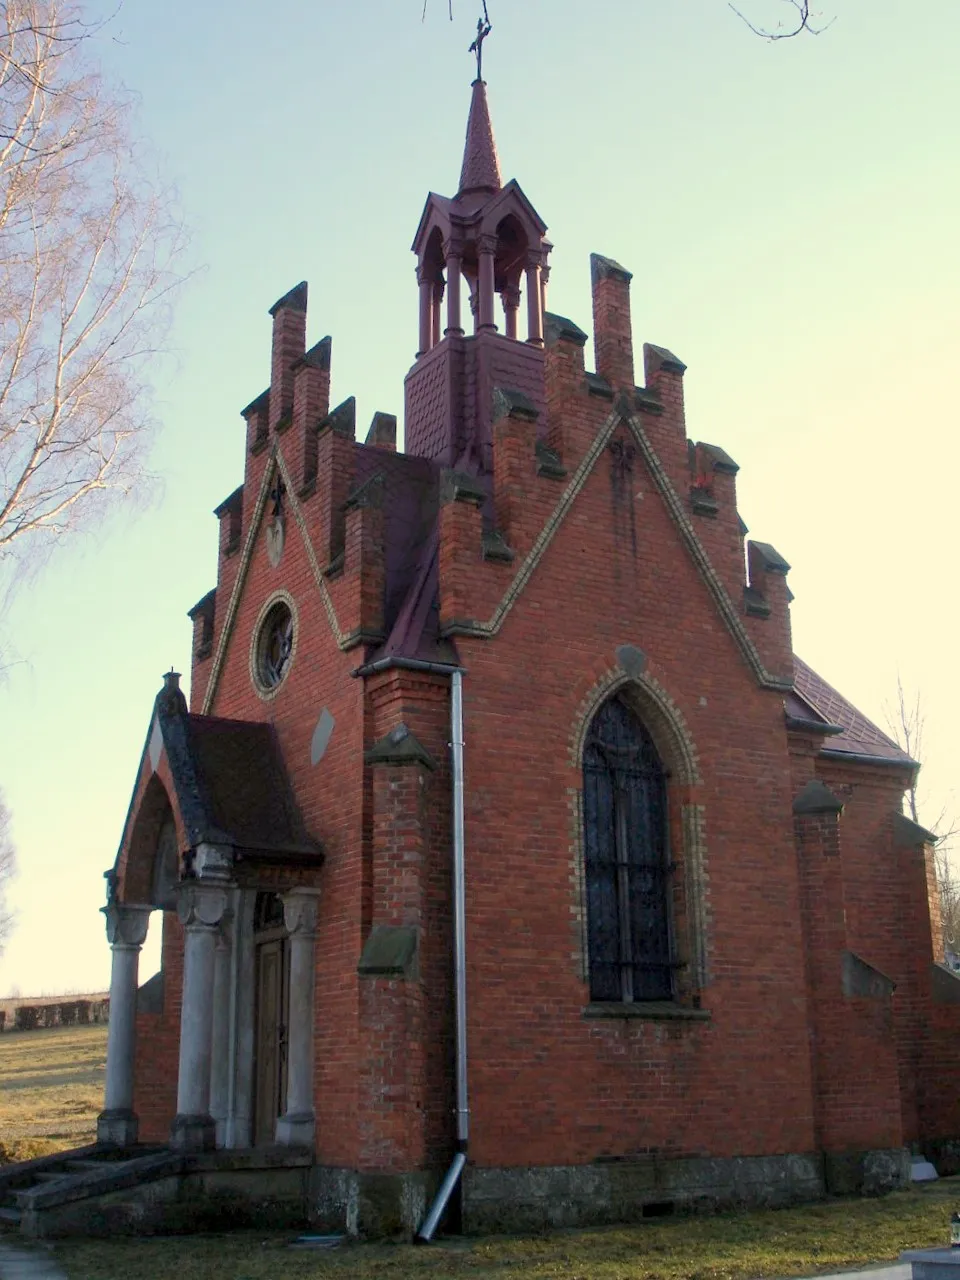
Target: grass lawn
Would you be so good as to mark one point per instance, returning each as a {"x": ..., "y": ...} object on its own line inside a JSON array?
[
  {"x": 822, "y": 1237},
  {"x": 51, "y": 1088}
]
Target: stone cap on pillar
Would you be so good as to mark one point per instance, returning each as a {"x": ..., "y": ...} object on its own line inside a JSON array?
[
  {"x": 816, "y": 797},
  {"x": 399, "y": 747}
]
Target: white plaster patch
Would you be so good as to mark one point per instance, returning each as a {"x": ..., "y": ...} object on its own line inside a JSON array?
[
  {"x": 321, "y": 736},
  {"x": 155, "y": 749}
]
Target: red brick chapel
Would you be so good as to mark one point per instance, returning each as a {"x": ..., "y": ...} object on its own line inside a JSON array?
[{"x": 505, "y": 843}]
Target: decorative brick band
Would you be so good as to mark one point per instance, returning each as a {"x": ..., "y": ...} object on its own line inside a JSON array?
[
  {"x": 274, "y": 465},
  {"x": 655, "y": 707},
  {"x": 230, "y": 618},
  {"x": 675, "y": 507}
]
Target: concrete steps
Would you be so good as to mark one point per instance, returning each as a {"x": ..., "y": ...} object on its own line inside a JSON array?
[
  {"x": 102, "y": 1191},
  {"x": 20, "y": 1183}
]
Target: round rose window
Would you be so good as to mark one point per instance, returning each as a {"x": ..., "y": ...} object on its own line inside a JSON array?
[{"x": 275, "y": 646}]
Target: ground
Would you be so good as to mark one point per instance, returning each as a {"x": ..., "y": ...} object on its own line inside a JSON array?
[
  {"x": 51, "y": 1089},
  {"x": 802, "y": 1241}
]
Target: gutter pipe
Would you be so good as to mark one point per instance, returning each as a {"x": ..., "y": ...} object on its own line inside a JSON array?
[{"x": 430, "y": 1223}]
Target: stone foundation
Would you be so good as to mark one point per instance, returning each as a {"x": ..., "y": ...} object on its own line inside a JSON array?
[
  {"x": 369, "y": 1204},
  {"x": 866, "y": 1173},
  {"x": 170, "y": 1192},
  {"x": 531, "y": 1199},
  {"x": 944, "y": 1155},
  {"x": 627, "y": 1190}
]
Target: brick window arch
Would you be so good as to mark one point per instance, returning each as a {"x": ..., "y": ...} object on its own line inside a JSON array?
[{"x": 626, "y": 860}]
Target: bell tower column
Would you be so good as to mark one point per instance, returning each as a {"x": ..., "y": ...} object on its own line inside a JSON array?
[
  {"x": 511, "y": 305},
  {"x": 534, "y": 301},
  {"x": 426, "y": 310},
  {"x": 453, "y": 252},
  {"x": 487, "y": 249}
]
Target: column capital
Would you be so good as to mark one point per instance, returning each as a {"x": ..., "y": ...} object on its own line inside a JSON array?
[
  {"x": 201, "y": 906},
  {"x": 300, "y": 911},
  {"x": 511, "y": 296},
  {"x": 213, "y": 860},
  {"x": 452, "y": 249},
  {"x": 126, "y": 924},
  {"x": 487, "y": 243}
]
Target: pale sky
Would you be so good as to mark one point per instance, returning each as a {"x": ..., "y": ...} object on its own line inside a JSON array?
[{"x": 789, "y": 213}]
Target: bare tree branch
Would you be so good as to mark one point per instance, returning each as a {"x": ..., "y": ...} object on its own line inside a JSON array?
[
  {"x": 800, "y": 21},
  {"x": 906, "y": 722},
  {"x": 88, "y": 252},
  {"x": 8, "y": 869}
]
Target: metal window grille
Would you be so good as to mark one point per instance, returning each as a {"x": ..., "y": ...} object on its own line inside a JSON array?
[{"x": 626, "y": 863}]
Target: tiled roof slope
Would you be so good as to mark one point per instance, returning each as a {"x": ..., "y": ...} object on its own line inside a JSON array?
[
  {"x": 244, "y": 789},
  {"x": 859, "y": 737}
]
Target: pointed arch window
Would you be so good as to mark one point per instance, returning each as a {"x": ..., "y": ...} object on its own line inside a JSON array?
[{"x": 628, "y": 872}]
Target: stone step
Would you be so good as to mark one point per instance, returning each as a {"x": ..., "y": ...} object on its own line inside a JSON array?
[
  {"x": 51, "y": 1177},
  {"x": 9, "y": 1217},
  {"x": 87, "y": 1166}
]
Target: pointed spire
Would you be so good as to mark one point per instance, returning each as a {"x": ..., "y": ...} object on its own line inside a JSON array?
[{"x": 481, "y": 165}]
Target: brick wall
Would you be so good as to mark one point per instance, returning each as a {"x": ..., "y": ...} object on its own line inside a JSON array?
[{"x": 763, "y": 912}]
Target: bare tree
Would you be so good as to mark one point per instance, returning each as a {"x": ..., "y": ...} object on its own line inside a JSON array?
[
  {"x": 906, "y": 722},
  {"x": 88, "y": 246},
  {"x": 8, "y": 869}
]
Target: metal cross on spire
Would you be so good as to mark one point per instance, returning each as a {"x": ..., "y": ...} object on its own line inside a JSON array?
[{"x": 484, "y": 27}]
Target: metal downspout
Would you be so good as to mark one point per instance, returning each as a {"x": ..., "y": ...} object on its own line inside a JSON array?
[{"x": 430, "y": 1223}]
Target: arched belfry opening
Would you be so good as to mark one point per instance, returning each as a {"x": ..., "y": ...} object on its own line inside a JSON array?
[{"x": 481, "y": 268}]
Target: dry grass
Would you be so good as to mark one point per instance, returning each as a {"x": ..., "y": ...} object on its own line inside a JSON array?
[
  {"x": 824, "y": 1237},
  {"x": 51, "y": 1089}
]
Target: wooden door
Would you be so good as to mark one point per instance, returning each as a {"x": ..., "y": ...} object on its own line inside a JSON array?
[{"x": 271, "y": 1035}]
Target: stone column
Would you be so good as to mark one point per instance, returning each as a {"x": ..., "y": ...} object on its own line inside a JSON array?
[
  {"x": 296, "y": 1126},
  {"x": 453, "y": 290},
  {"x": 126, "y": 931},
  {"x": 200, "y": 908},
  {"x": 426, "y": 311},
  {"x": 220, "y": 1046},
  {"x": 534, "y": 301},
  {"x": 437, "y": 322},
  {"x": 511, "y": 305},
  {"x": 485, "y": 282}
]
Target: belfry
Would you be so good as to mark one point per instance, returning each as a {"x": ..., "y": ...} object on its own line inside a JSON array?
[{"x": 490, "y": 238}]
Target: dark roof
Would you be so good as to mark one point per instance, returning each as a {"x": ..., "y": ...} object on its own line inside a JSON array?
[
  {"x": 411, "y": 505},
  {"x": 230, "y": 781},
  {"x": 815, "y": 700},
  {"x": 244, "y": 787}
]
